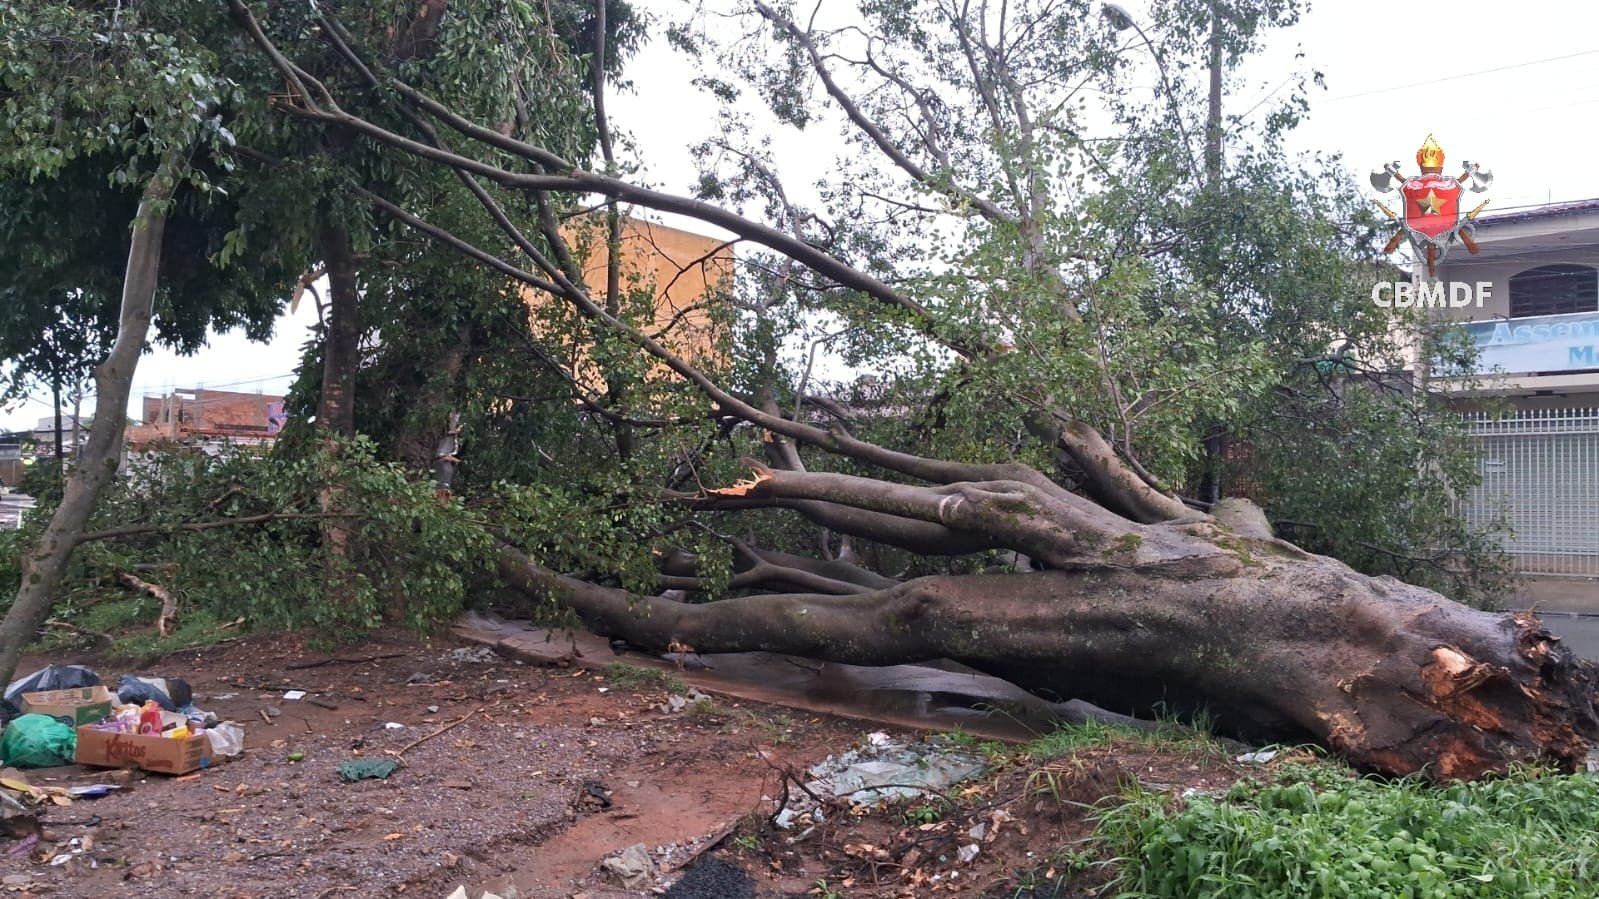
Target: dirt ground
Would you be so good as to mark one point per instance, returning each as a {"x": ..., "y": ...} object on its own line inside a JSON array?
[{"x": 516, "y": 774}]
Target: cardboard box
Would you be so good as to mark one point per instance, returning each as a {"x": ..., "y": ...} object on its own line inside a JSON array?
[
  {"x": 75, "y": 707},
  {"x": 163, "y": 755}
]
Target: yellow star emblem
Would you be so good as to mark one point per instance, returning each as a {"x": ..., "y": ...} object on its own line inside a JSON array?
[{"x": 1431, "y": 204}]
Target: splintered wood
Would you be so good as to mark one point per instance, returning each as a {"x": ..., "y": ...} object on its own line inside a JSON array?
[{"x": 744, "y": 487}]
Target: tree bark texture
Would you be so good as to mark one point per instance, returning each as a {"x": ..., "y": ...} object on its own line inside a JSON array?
[
  {"x": 1275, "y": 643},
  {"x": 342, "y": 346},
  {"x": 44, "y": 564}
]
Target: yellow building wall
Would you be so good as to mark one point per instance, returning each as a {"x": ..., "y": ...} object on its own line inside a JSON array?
[{"x": 684, "y": 276}]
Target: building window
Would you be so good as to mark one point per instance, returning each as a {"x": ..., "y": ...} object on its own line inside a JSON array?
[{"x": 1554, "y": 290}]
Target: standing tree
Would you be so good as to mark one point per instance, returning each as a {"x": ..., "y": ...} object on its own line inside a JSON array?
[{"x": 1061, "y": 385}]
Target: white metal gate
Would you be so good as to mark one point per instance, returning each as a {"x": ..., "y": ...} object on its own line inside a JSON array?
[{"x": 1541, "y": 467}]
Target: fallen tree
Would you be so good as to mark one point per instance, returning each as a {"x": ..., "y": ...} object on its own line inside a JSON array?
[{"x": 1129, "y": 597}]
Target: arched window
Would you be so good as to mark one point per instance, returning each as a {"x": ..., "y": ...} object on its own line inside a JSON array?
[{"x": 1554, "y": 290}]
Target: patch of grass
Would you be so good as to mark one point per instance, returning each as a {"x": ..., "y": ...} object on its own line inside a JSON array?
[
  {"x": 195, "y": 629},
  {"x": 636, "y": 677},
  {"x": 1166, "y": 737},
  {"x": 1311, "y": 831}
]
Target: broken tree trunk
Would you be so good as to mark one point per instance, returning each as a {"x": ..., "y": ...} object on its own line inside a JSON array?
[{"x": 1275, "y": 643}]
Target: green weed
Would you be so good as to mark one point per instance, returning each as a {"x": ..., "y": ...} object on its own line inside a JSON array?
[{"x": 1335, "y": 835}]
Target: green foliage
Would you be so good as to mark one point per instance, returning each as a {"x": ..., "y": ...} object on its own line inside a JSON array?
[
  {"x": 1529, "y": 834},
  {"x": 414, "y": 558}
]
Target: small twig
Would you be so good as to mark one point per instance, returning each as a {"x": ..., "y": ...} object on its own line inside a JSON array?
[
  {"x": 420, "y": 740},
  {"x": 103, "y": 638},
  {"x": 265, "y": 717},
  {"x": 303, "y": 665}
]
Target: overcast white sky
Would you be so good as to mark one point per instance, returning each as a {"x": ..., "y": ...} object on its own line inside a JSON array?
[{"x": 1514, "y": 87}]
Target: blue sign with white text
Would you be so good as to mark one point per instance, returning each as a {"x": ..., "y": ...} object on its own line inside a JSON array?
[{"x": 1538, "y": 344}]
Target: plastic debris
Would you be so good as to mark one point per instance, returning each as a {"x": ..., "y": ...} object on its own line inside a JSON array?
[
  {"x": 227, "y": 740},
  {"x": 967, "y": 853},
  {"x": 170, "y": 693},
  {"x": 472, "y": 655},
  {"x": 632, "y": 867},
  {"x": 51, "y": 677},
  {"x": 38, "y": 741},
  {"x": 881, "y": 770},
  {"x": 293, "y": 695},
  {"x": 1257, "y": 758},
  {"x": 367, "y": 769}
]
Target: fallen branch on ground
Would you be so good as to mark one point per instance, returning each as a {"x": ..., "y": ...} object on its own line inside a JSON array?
[
  {"x": 169, "y": 603},
  {"x": 420, "y": 740}
]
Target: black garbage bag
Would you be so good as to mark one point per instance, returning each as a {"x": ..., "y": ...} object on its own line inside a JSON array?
[
  {"x": 170, "y": 693},
  {"x": 51, "y": 677}
]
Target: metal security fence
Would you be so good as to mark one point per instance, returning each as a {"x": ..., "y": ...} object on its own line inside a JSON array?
[{"x": 1540, "y": 467}]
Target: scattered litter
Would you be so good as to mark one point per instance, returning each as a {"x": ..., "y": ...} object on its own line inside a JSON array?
[
  {"x": 292, "y": 696},
  {"x": 224, "y": 697},
  {"x": 393, "y": 725},
  {"x": 38, "y": 741},
  {"x": 364, "y": 769},
  {"x": 49, "y": 678},
  {"x": 92, "y": 791},
  {"x": 170, "y": 693},
  {"x": 967, "y": 853},
  {"x": 632, "y": 867},
  {"x": 679, "y": 703},
  {"x": 433, "y": 710},
  {"x": 227, "y": 740},
  {"x": 419, "y": 677},
  {"x": 594, "y": 795},
  {"x": 472, "y": 655},
  {"x": 53, "y": 677},
  {"x": 1258, "y": 758},
  {"x": 882, "y": 770}
]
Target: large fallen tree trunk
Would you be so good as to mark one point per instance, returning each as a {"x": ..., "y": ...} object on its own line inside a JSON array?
[
  {"x": 1130, "y": 600},
  {"x": 1275, "y": 643}
]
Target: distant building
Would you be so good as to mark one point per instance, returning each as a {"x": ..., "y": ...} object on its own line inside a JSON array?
[
  {"x": 44, "y": 434},
  {"x": 200, "y": 415},
  {"x": 1538, "y": 339},
  {"x": 679, "y": 272}
]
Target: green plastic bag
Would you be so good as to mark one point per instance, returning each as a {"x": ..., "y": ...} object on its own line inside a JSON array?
[
  {"x": 362, "y": 769},
  {"x": 38, "y": 741}
]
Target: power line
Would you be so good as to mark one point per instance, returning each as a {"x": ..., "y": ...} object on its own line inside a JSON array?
[{"x": 1516, "y": 65}]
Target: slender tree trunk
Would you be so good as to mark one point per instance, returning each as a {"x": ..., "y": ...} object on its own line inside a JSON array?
[
  {"x": 341, "y": 349},
  {"x": 61, "y": 454},
  {"x": 44, "y": 564},
  {"x": 1213, "y": 116},
  {"x": 77, "y": 420},
  {"x": 335, "y": 417}
]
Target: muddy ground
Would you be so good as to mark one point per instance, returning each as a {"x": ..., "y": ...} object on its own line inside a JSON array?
[{"x": 527, "y": 775}]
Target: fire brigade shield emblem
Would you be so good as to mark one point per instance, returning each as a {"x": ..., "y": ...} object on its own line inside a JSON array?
[{"x": 1432, "y": 206}]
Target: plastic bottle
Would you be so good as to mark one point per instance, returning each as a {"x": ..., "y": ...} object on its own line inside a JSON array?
[{"x": 150, "y": 719}]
